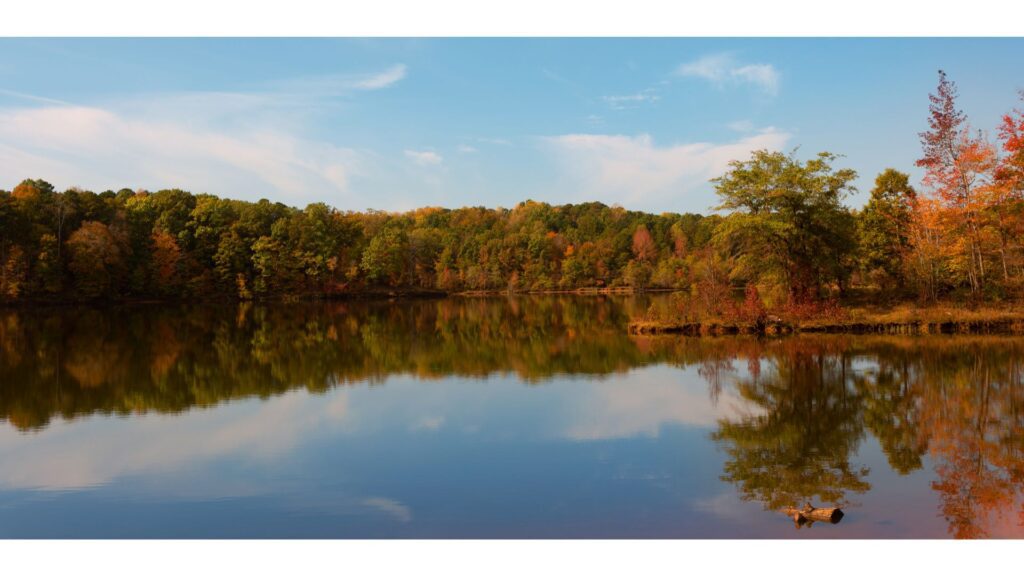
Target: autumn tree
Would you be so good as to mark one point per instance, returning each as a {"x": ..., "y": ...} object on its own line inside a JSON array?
[
  {"x": 97, "y": 259},
  {"x": 166, "y": 260},
  {"x": 13, "y": 272},
  {"x": 32, "y": 190},
  {"x": 958, "y": 165},
  {"x": 643, "y": 245},
  {"x": 13, "y": 265},
  {"x": 1008, "y": 213},
  {"x": 926, "y": 265},
  {"x": 1011, "y": 167}
]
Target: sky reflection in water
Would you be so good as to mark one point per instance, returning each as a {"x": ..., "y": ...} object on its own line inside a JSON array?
[{"x": 529, "y": 417}]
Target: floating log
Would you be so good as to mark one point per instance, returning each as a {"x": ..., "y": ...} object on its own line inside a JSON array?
[{"x": 809, "y": 514}]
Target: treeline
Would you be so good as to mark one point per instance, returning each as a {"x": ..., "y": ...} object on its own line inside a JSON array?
[
  {"x": 786, "y": 238},
  {"x": 81, "y": 245}
]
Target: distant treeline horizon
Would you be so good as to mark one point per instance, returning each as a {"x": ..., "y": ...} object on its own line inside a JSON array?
[{"x": 785, "y": 236}]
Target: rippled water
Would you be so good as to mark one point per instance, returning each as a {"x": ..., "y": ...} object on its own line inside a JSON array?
[{"x": 501, "y": 417}]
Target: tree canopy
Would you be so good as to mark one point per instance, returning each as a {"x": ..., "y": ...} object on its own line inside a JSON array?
[{"x": 788, "y": 223}]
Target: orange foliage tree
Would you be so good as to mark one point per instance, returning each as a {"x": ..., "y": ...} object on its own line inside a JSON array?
[
  {"x": 97, "y": 259},
  {"x": 958, "y": 169}
]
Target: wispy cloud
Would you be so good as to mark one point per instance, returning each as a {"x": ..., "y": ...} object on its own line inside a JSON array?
[
  {"x": 724, "y": 69},
  {"x": 32, "y": 97},
  {"x": 391, "y": 507},
  {"x": 495, "y": 141},
  {"x": 556, "y": 77},
  {"x": 424, "y": 157},
  {"x": 635, "y": 171},
  {"x": 464, "y": 149},
  {"x": 741, "y": 126},
  {"x": 381, "y": 79},
  {"x": 631, "y": 100},
  {"x": 337, "y": 84}
]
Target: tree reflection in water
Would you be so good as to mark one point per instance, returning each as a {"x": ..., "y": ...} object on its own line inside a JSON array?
[
  {"x": 953, "y": 405},
  {"x": 69, "y": 362},
  {"x": 798, "y": 448},
  {"x": 958, "y": 400}
]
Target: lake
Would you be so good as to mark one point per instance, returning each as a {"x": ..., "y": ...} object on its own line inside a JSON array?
[{"x": 505, "y": 417}]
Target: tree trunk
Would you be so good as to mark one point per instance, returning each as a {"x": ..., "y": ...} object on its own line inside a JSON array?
[{"x": 1002, "y": 255}]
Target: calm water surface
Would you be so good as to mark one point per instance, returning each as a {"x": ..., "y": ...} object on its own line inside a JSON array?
[{"x": 500, "y": 417}]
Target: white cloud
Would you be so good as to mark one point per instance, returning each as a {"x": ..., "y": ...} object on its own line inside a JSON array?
[
  {"x": 636, "y": 172},
  {"x": 714, "y": 67},
  {"x": 723, "y": 69},
  {"x": 464, "y": 149},
  {"x": 98, "y": 149},
  {"x": 242, "y": 145},
  {"x": 424, "y": 157}
]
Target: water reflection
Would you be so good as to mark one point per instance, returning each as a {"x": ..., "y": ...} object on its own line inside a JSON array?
[
  {"x": 794, "y": 420},
  {"x": 798, "y": 450},
  {"x": 959, "y": 401},
  {"x": 71, "y": 362}
]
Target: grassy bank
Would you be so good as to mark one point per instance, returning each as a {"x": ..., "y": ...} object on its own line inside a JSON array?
[{"x": 902, "y": 319}]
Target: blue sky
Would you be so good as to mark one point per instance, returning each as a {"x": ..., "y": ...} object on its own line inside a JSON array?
[{"x": 393, "y": 124}]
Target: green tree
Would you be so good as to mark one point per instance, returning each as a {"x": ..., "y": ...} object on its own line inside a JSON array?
[
  {"x": 383, "y": 259},
  {"x": 787, "y": 220},
  {"x": 884, "y": 228}
]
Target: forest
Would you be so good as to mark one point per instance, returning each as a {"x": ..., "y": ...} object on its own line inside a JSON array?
[{"x": 782, "y": 236}]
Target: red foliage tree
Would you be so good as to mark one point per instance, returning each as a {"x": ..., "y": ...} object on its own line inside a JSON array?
[{"x": 643, "y": 245}]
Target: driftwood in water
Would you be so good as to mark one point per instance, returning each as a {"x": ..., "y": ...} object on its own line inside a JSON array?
[{"x": 809, "y": 514}]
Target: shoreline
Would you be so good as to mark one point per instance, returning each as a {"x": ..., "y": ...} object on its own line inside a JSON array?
[
  {"x": 896, "y": 320},
  {"x": 367, "y": 294},
  {"x": 936, "y": 320}
]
